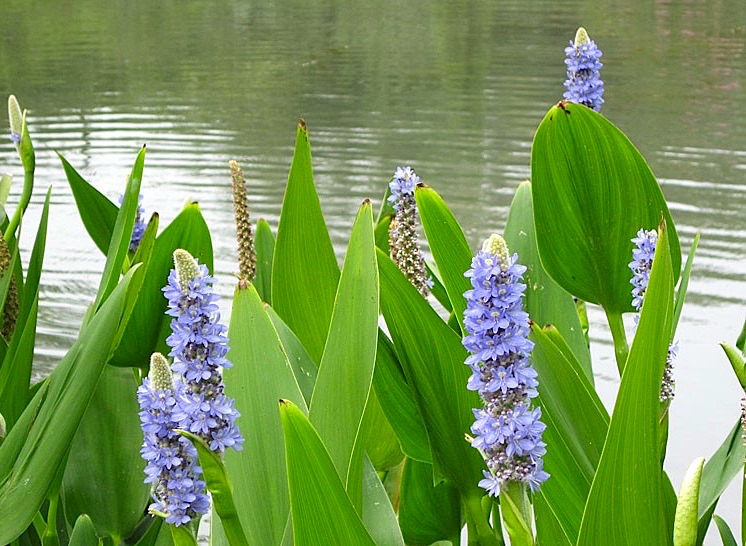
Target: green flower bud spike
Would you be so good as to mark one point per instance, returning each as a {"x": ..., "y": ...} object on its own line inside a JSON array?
[
  {"x": 19, "y": 135},
  {"x": 160, "y": 374},
  {"x": 497, "y": 245},
  {"x": 187, "y": 268},
  {"x": 246, "y": 252},
  {"x": 16, "y": 120}
]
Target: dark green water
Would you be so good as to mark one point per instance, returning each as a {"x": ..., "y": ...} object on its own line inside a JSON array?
[{"x": 454, "y": 88}]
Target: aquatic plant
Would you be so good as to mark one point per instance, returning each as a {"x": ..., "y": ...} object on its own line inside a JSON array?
[{"x": 584, "y": 85}]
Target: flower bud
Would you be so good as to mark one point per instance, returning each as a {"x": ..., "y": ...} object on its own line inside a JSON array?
[
  {"x": 160, "y": 373},
  {"x": 187, "y": 268}
]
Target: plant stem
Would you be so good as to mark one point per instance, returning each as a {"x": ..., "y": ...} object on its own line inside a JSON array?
[
  {"x": 28, "y": 186},
  {"x": 621, "y": 350},
  {"x": 516, "y": 512},
  {"x": 479, "y": 524}
]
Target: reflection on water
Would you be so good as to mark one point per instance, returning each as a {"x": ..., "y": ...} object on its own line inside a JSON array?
[{"x": 455, "y": 89}]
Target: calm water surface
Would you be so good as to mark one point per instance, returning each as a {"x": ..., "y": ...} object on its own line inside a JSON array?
[{"x": 456, "y": 89}]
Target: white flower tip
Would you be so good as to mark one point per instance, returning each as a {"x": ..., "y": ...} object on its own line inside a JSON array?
[
  {"x": 496, "y": 245},
  {"x": 581, "y": 37},
  {"x": 160, "y": 372},
  {"x": 15, "y": 115},
  {"x": 187, "y": 268}
]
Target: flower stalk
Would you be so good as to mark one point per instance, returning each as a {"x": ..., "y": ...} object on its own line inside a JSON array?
[{"x": 244, "y": 235}]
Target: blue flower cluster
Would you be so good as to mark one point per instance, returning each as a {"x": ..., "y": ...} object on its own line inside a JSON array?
[
  {"x": 405, "y": 252},
  {"x": 641, "y": 265},
  {"x": 138, "y": 230},
  {"x": 508, "y": 431},
  {"x": 172, "y": 469},
  {"x": 199, "y": 346},
  {"x": 583, "y": 84}
]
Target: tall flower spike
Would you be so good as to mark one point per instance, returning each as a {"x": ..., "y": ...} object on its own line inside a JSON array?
[
  {"x": 641, "y": 265},
  {"x": 405, "y": 251},
  {"x": 508, "y": 430},
  {"x": 199, "y": 345},
  {"x": 244, "y": 235},
  {"x": 177, "y": 487},
  {"x": 584, "y": 84},
  {"x": 15, "y": 116}
]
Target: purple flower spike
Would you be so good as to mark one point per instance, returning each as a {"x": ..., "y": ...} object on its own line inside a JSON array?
[
  {"x": 507, "y": 430},
  {"x": 584, "y": 85},
  {"x": 199, "y": 346}
]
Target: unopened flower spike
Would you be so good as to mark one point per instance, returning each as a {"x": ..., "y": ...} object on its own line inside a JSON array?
[
  {"x": 642, "y": 263},
  {"x": 199, "y": 346},
  {"x": 508, "y": 430},
  {"x": 584, "y": 84},
  {"x": 244, "y": 235},
  {"x": 15, "y": 116},
  {"x": 405, "y": 251},
  {"x": 172, "y": 470}
]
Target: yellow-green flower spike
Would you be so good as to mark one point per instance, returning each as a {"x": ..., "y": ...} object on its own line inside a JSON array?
[
  {"x": 15, "y": 115},
  {"x": 160, "y": 373},
  {"x": 187, "y": 268},
  {"x": 496, "y": 245},
  {"x": 581, "y": 37}
]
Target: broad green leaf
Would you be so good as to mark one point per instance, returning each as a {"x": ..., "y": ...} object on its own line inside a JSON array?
[
  {"x": 724, "y": 465},
  {"x": 577, "y": 424},
  {"x": 264, "y": 242},
  {"x": 304, "y": 270},
  {"x": 382, "y": 233},
  {"x": 448, "y": 245},
  {"x": 379, "y": 439},
  {"x": 120, "y": 238},
  {"x": 148, "y": 326},
  {"x": 592, "y": 192},
  {"x": 84, "y": 533},
  {"x": 260, "y": 376},
  {"x": 67, "y": 394},
  {"x": 304, "y": 369},
  {"x": 624, "y": 506},
  {"x": 545, "y": 301},
  {"x": 683, "y": 285},
  {"x": 737, "y": 362},
  {"x": 346, "y": 370},
  {"x": 99, "y": 215},
  {"x": 432, "y": 358},
  {"x": 321, "y": 510},
  {"x": 548, "y": 528},
  {"x": 182, "y": 535},
  {"x": 5, "y": 181},
  {"x": 685, "y": 524},
  {"x": 104, "y": 478},
  {"x": 726, "y": 535},
  {"x": 221, "y": 490},
  {"x": 438, "y": 290},
  {"x": 398, "y": 402},
  {"x": 427, "y": 512},
  {"x": 378, "y": 515}
]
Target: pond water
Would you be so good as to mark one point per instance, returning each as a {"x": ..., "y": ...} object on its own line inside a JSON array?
[{"x": 455, "y": 89}]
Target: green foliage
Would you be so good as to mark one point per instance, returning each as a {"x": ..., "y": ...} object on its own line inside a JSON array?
[
  {"x": 592, "y": 192},
  {"x": 84, "y": 533},
  {"x": 265, "y": 249}
]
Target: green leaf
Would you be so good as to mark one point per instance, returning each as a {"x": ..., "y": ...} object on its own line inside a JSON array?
[
  {"x": 84, "y": 533},
  {"x": 548, "y": 528},
  {"x": 379, "y": 439},
  {"x": 26, "y": 473},
  {"x": 264, "y": 242},
  {"x": 149, "y": 326},
  {"x": 592, "y": 192},
  {"x": 726, "y": 535},
  {"x": 182, "y": 535},
  {"x": 516, "y": 513},
  {"x": 683, "y": 285},
  {"x": 378, "y": 514},
  {"x": 99, "y": 215},
  {"x": 737, "y": 362},
  {"x": 545, "y": 301},
  {"x": 304, "y": 369},
  {"x": 321, "y": 511},
  {"x": 628, "y": 477},
  {"x": 104, "y": 478},
  {"x": 260, "y": 376},
  {"x": 221, "y": 490},
  {"x": 577, "y": 424},
  {"x": 432, "y": 358},
  {"x": 398, "y": 402},
  {"x": 120, "y": 239},
  {"x": 382, "y": 232},
  {"x": 685, "y": 523},
  {"x": 346, "y": 370},
  {"x": 427, "y": 512},
  {"x": 448, "y": 245},
  {"x": 304, "y": 271},
  {"x": 719, "y": 471}
]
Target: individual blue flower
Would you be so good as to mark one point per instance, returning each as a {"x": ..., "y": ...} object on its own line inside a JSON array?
[
  {"x": 507, "y": 430},
  {"x": 643, "y": 254},
  {"x": 405, "y": 251},
  {"x": 583, "y": 84},
  {"x": 138, "y": 229},
  {"x": 172, "y": 469},
  {"x": 199, "y": 347}
]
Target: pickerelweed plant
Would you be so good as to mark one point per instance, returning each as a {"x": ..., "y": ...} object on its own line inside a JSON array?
[{"x": 358, "y": 410}]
